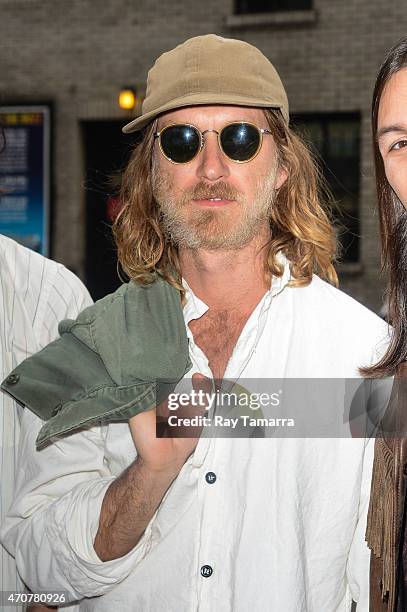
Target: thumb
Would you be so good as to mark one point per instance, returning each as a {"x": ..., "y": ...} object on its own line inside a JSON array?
[
  {"x": 199, "y": 381},
  {"x": 199, "y": 376},
  {"x": 204, "y": 384}
]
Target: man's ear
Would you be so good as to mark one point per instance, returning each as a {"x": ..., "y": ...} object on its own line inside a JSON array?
[{"x": 281, "y": 177}]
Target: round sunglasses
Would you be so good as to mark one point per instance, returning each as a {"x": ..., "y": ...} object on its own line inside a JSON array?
[{"x": 240, "y": 141}]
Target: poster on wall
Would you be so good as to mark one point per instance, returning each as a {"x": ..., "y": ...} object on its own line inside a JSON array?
[{"x": 25, "y": 175}]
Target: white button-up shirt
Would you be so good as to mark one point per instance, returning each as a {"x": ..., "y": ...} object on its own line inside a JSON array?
[
  {"x": 35, "y": 294},
  {"x": 281, "y": 528}
]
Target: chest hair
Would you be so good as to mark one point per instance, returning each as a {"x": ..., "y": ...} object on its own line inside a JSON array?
[{"x": 216, "y": 334}]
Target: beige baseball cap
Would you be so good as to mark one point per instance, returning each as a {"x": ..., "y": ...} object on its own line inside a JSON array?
[{"x": 210, "y": 70}]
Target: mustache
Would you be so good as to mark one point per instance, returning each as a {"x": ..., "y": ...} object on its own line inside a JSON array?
[{"x": 203, "y": 191}]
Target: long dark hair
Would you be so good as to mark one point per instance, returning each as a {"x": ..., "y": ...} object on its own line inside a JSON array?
[{"x": 393, "y": 230}]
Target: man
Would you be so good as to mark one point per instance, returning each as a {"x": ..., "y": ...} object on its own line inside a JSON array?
[
  {"x": 221, "y": 201},
  {"x": 35, "y": 294}
]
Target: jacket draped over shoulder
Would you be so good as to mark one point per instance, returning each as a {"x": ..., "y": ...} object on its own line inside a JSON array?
[{"x": 121, "y": 356}]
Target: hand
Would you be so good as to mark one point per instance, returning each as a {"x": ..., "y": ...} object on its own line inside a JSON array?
[{"x": 167, "y": 454}]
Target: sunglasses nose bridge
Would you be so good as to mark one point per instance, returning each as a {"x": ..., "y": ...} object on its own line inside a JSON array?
[
  {"x": 203, "y": 134},
  {"x": 212, "y": 164},
  {"x": 218, "y": 134},
  {"x": 203, "y": 141},
  {"x": 205, "y": 131}
]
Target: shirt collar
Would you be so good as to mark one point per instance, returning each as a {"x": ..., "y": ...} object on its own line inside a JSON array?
[
  {"x": 195, "y": 307},
  {"x": 278, "y": 283}
]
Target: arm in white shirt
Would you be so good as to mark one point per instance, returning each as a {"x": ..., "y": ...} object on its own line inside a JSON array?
[
  {"x": 36, "y": 293},
  {"x": 53, "y": 521},
  {"x": 359, "y": 555}
]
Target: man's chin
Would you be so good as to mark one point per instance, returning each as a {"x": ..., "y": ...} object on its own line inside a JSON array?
[
  {"x": 211, "y": 231},
  {"x": 217, "y": 240}
]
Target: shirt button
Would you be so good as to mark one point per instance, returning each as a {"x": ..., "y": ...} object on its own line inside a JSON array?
[
  {"x": 210, "y": 477},
  {"x": 12, "y": 379},
  {"x": 206, "y": 571}
]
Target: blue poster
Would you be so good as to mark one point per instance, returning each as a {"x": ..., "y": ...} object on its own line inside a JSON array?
[{"x": 25, "y": 176}]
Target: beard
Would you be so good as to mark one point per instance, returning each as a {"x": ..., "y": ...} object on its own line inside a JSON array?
[{"x": 227, "y": 227}]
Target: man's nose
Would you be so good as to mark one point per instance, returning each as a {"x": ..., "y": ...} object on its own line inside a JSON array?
[{"x": 212, "y": 164}]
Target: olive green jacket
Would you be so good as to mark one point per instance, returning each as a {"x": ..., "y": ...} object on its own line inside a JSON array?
[{"x": 106, "y": 364}]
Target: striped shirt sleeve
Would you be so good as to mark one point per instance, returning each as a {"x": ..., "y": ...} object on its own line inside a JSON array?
[{"x": 35, "y": 295}]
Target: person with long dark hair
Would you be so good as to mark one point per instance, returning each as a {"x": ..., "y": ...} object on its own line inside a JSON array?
[{"x": 386, "y": 521}]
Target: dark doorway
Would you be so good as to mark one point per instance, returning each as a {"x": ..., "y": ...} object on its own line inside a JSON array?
[
  {"x": 107, "y": 151},
  {"x": 335, "y": 138}
]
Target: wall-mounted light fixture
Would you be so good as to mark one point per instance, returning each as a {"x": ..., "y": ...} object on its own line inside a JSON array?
[{"x": 127, "y": 98}]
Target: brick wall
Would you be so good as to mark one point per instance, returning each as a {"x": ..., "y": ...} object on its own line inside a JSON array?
[{"x": 78, "y": 53}]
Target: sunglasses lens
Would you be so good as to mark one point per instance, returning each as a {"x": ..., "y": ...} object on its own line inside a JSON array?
[
  {"x": 240, "y": 141},
  {"x": 180, "y": 143}
]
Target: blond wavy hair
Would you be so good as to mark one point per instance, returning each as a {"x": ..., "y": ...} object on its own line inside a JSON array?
[{"x": 300, "y": 221}]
